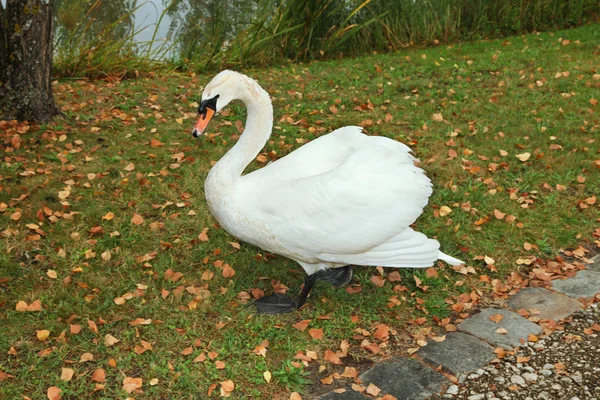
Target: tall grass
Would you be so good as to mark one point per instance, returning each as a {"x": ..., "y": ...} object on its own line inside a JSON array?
[{"x": 216, "y": 34}]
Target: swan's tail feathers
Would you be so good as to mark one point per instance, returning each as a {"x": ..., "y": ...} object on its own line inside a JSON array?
[{"x": 449, "y": 259}]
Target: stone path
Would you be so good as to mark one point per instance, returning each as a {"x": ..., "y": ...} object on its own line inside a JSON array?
[{"x": 472, "y": 348}]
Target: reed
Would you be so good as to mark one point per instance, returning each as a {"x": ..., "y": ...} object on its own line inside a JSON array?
[{"x": 219, "y": 34}]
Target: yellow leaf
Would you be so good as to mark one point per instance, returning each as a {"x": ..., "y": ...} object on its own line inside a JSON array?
[
  {"x": 108, "y": 216},
  {"x": 42, "y": 334},
  {"x": 110, "y": 340},
  {"x": 523, "y": 156},
  {"x": 66, "y": 374},
  {"x": 445, "y": 210}
]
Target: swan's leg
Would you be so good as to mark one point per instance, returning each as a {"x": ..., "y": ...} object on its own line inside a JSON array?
[
  {"x": 278, "y": 303},
  {"x": 338, "y": 277}
]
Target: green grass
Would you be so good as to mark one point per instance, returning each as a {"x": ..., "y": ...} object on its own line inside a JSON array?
[{"x": 481, "y": 89}]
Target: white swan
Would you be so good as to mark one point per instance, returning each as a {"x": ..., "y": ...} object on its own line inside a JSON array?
[{"x": 342, "y": 199}]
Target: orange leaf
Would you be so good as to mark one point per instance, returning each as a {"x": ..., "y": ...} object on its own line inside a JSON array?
[
  {"x": 373, "y": 390},
  {"x": 132, "y": 384},
  {"x": 377, "y": 280},
  {"x": 496, "y": 317},
  {"x": 302, "y": 325},
  {"x": 187, "y": 351},
  {"x": 99, "y": 375},
  {"x": 332, "y": 357},
  {"x": 137, "y": 219},
  {"x": 499, "y": 214},
  {"x": 316, "y": 333},
  {"x": 75, "y": 329},
  {"x": 228, "y": 272},
  {"x": 219, "y": 364},
  {"x": 54, "y": 393}
]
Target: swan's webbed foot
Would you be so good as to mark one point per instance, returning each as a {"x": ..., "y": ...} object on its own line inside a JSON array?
[
  {"x": 338, "y": 277},
  {"x": 278, "y": 303}
]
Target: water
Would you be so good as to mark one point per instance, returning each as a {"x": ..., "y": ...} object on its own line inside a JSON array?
[{"x": 176, "y": 25}]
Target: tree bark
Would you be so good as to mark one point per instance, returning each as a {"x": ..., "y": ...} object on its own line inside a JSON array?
[{"x": 26, "y": 61}]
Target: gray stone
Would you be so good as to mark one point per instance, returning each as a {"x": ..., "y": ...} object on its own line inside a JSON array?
[
  {"x": 453, "y": 389},
  {"x": 551, "y": 305},
  {"x": 584, "y": 284},
  {"x": 458, "y": 354},
  {"x": 518, "y": 380},
  {"x": 517, "y": 327},
  {"x": 404, "y": 378},
  {"x": 349, "y": 394},
  {"x": 595, "y": 265}
]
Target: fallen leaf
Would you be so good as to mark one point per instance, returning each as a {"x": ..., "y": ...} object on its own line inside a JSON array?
[
  {"x": 137, "y": 219},
  {"x": 108, "y": 216},
  {"x": 295, "y": 396},
  {"x": 445, "y": 210},
  {"x": 501, "y": 331},
  {"x": 332, "y": 357},
  {"x": 228, "y": 272},
  {"x": 110, "y": 340},
  {"x": 523, "y": 156},
  {"x": 373, "y": 390},
  {"x": 86, "y": 357},
  {"x": 132, "y": 384},
  {"x": 316, "y": 333},
  {"x": 51, "y": 274},
  {"x": 227, "y": 387},
  {"x": 66, "y": 374},
  {"x": 302, "y": 325},
  {"x": 496, "y": 317},
  {"x": 42, "y": 334},
  {"x": 99, "y": 375},
  {"x": 267, "y": 376},
  {"x": 54, "y": 393},
  {"x": 499, "y": 214}
]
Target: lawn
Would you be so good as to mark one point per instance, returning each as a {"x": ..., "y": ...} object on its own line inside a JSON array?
[{"x": 114, "y": 278}]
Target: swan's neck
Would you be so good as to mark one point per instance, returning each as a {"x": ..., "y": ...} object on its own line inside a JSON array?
[{"x": 259, "y": 123}]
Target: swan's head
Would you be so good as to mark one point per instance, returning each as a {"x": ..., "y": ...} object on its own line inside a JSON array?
[{"x": 220, "y": 91}]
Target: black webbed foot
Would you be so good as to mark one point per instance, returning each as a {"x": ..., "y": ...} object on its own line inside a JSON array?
[
  {"x": 276, "y": 303},
  {"x": 338, "y": 277}
]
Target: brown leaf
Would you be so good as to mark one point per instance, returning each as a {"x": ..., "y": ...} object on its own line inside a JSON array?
[
  {"x": 35, "y": 306},
  {"x": 228, "y": 272},
  {"x": 66, "y": 374},
  {"x": 394, "y": 277},
  {"x": 302, "y": 325},
  {"x": 227, "y": 387},
  {"x": 373, "y": 390},
  {"x": 21, "y": 306},
  {"x": 110, "y": 340},
  {"x": 499, "y": 214},
  {"x": 86, "y": 357},
  {"x": 187, "y": 351},
  {"x": 54, "y": 393},
  {"x": 219, "y": 364},
  {"x": 332, "y": 357},
  {"x": 132, "y": 384},
  {"x": 295, "y": 396},
  {"x": 316, "y": 333},
  {"x": 99, "y": 375},
  {"x": 4, "y": 376},
  {"x": 377, "y": 280},
  {"x": 328, "y": 380},
  {"x": 137, "y": 219},
  {"x": 496, "y": 317}
]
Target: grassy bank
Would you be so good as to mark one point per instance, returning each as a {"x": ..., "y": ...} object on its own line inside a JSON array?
[
  {"x": 99, "y": 38},
  {"x": 106, "y": 235}
]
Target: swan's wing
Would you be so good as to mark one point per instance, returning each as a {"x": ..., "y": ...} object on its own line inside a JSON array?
[
  {"x": 315, "y": 157},
  {"x": 371, "y": 197}
]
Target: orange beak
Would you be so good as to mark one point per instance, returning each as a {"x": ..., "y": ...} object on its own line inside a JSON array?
[{"x": 202, "y": 122}]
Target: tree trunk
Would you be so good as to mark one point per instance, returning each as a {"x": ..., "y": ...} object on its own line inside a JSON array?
[{"x": 26, "y": 61}]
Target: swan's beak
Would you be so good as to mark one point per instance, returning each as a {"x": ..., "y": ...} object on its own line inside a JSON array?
[{"x": 202, "y": 122}]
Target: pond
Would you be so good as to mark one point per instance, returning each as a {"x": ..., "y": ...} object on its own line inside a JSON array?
[{"x": 167, "y": 27}]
